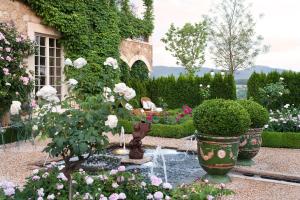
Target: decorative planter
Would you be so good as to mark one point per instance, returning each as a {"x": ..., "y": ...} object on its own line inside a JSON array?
[
  {"x": 217, "y": 156},
  {"x": 250, "y": 144}
]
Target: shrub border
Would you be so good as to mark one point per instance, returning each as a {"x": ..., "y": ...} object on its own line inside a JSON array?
[{"x": 281, "y": 140}]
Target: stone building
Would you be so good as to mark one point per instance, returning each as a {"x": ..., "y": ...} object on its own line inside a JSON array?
[{"x": 48, "y": 63}]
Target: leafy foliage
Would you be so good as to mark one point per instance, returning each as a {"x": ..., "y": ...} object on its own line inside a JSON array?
[
  {"x": 286, "y": 119},
  {"x": 15, "y": 83},
  {"x": 187, "y": 44},
  {"x": 221, "y": 117},
  {"x": 291, "y": 82},
  {"x": 232, "y": 33},
  {"x": 258, "y": 114},
  {"x": 185, "y": 90},
  {"x": 139, "y": 71},
  {"x": 93, "y": 30}
]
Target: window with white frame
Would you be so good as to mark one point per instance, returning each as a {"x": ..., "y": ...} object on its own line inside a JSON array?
[{"x": 48, "y": 63}]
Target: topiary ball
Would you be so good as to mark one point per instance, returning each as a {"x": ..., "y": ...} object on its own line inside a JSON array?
[
  {"x": 258, "y": 114},
  {"x": 221, "y": 117}
]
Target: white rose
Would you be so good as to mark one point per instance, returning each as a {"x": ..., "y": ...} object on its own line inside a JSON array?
[
  {"x": 68, "y": 61},
  {"x": 79, "y": 63},
  {"x": 72, "y": 82},
  {"x": 128, "y": 106},
  {"x": 167, "y": 186},
  {"x": 15, "y": 107},
  {"x": 120, "y": 88},
  {"x": 111, "y": 62},
  {"x": 89, "y": 180},
  {"x": 51, "y": 197},
  {"x": 208, "y": 86},
  {"x": 7, "y": 84},
  {"x": 46, "y": 92},
  {"x": 129, "y": 94},
  {"x": 107, "y": 94},
  {"x": 212, "y": 73},
  {"x": 281, "y": 78},
  {"x": 53, "y": 99},
  {"x": 112, "y": 121}
]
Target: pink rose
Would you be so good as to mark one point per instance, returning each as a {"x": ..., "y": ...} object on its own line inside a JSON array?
[
  {"x": 114, "y": 196},
  {"x": 2, "y": 37},
  {"x": 7, "y": 49},
  {"x": 155, "y": 181},
  {"x": 158, "y": 195},
  {"x": 113, "y": 172},
  {"x": 33, "y": 103},
  {"x": 6, "y": 71},
  {"x": 121, "y": 169},
  {"x": 18, "y": 39},
  {"x": 8, "y": 58},
  {"x": 25, "y": 80}
]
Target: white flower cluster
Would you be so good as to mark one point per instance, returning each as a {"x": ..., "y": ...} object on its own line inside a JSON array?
[
  {"x": 123, "y": 90},
  {"x": 78, "y": 63},
  {"x": 15, "y": 107},
  {"x": 48, "y": 93},
  {"x": 285, "y": 119},
  {"x": 111, "y": 62}
]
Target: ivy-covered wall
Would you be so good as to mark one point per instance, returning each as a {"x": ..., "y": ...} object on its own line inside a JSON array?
[{"x": 93, "y": 29}]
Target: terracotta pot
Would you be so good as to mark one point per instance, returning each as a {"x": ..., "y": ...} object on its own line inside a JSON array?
[
  {"x": 5, "y": 120},
  {"x": 217, "y": 156},
  {"x": 250, "y": 144}
]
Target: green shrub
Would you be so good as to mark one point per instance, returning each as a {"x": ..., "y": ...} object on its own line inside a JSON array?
[
  {"x": 258, "y": 114},
  {"x": 221, "y": 117},
  {"x": 139, "y": 71},
  {"x": 164, "y": 130},
  {"x": 281, "y": 140},
  {"x": 291, "y": 81}
]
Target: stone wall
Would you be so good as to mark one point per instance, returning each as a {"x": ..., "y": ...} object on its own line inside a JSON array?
[{"x": 28, "y": 23}]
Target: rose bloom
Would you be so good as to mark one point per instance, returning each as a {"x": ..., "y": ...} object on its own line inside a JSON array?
[
  {"x": 121, "y": 168},
  {"x": 122, "y": 196},
  {"x": 115, "y": 185},
  {"x": 155, "y": 180},
  {"x": 59, "y": 186},
  {"x": 89, "y": 180},
  {"x": 6, "y": 71},
  {"x": 158, "y": 195},
  {"x": 114, "y": 196},
  {"x": 112, "y": 121},
  {"x": 79, "y": 63}
]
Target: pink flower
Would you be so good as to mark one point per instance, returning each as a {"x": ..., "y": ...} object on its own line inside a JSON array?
[
  {"x": 121, "y": 168},
  {"x": 25, "y": 80},
  {"x": 113, "y": 172},
  {"x": 122, "y": 196},
  {"x": 149, "y": 118},
  {"x": 7, "y": 49},
  {"x": 6, "y": 71},
  {"x": 114, "y": 196},
  {"x": 1, "y": 48},
  {"x": 59, "y": 186},
  {"x": 187, "y": 110},
  {"x": 8, "y": 58},
  {"x": 33, "y": 103},
  {"x": 18, "y": 39},
  {"x": 155, "y": 180},
  {"x": 36, "y": 178},
  {"x": 167, "y": 186},
  {"x": 158, "y": 195},
  {"x": 2, "y": 37},
  {"x": 115, "y": 185}
]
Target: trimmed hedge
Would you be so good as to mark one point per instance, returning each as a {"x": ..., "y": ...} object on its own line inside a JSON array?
[
  {"x": 221, "y": 117},
  {"x": 164, "y": 130},
  {"x": 291, "y": 80},
  {"x": 281, "y": 140},
  {"x": 185, "y": 90},
  {"x": 258, "y": 114}
]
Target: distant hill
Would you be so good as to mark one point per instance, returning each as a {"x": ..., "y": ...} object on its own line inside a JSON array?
[{"x": 240, "y": 75}]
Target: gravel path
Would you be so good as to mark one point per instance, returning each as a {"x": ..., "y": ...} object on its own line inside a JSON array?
[{"x": 17, "y": 163}]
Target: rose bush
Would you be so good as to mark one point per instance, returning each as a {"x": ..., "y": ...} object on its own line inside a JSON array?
[
  {"x": 16, "y": 83},
  {"x": 117, "y": 184}
]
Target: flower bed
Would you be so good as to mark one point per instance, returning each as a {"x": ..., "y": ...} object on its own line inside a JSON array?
[{"x": 117, "y": 184}]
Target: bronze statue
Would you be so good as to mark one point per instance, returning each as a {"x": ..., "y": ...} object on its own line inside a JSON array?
[{"x": 135, "y": 145}]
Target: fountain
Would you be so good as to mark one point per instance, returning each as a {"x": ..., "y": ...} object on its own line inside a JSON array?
[
  {"x": 122, "y": 151},
  {"x": 159, "y": 153}
]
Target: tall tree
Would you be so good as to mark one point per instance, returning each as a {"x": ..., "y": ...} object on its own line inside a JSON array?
[
  {"x": 187, "y": 44},
  {"x": 234, "y": 43}
]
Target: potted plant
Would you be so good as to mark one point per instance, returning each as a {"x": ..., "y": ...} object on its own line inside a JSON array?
[
  {"x": 250, "y": 142},
  {"x": 219, "y": 124}
]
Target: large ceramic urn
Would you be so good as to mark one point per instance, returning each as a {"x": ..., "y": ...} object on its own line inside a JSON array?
[
  {"x": 217, "y": 156},
  {"x": 250, "y": 144}
]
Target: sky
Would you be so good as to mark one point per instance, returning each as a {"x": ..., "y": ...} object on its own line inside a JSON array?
[{"x": 279, "y": 27}]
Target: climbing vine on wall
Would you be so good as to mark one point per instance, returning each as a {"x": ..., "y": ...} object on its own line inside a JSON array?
[{"x": 93, "y": 29}]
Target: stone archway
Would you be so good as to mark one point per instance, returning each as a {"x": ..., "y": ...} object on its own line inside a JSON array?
[{"x": 134, "y": 50}]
